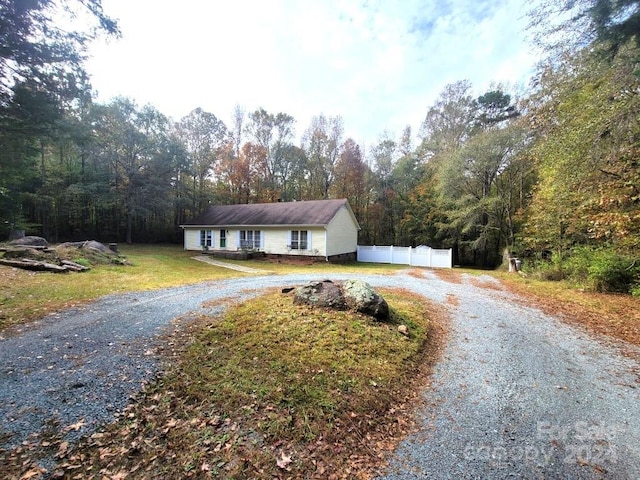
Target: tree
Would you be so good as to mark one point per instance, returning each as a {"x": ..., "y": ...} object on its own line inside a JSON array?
[
  {"x": 204, "y": 138},
  {"x": 479, "y": 202},
  {"x": 494, "y": 108},
  {"x": 586, "y": 153},
  {"x": 134, "y": 142},
  {"x": 468, "y": 144},
  {"x": 351, "y": 176},
  {"x": 448, "y": 123},
  {"x": 575, "y": 24},
  {"x": 321, "y": 143},
  {"x": 41, "y": 81},
  {"x": 383, "y": 157},
  {"x": 273, "y": 133},
  {"x": 38, "y": 51}
]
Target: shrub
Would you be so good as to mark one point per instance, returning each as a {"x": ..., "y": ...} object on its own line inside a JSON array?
[
  {"x": 545, "y": 269},
  {"x": 602, "y": 269},
  {"x": 611, "y": 272},
  {"x": 578, "y": 263}
]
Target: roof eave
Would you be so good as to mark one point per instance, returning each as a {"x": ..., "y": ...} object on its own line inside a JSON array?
[{"x": 269, "y": 225}]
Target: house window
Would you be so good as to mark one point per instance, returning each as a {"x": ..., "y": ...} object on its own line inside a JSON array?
[
  {"x": 206, "y": 238},
  {"x": 250, "y": 239},
  {"x": 299, "y": 240},
  {"x": 223, "y": 239}
]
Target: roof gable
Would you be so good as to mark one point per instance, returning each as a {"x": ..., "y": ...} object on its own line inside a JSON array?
[{"x": 311, "y": 212}]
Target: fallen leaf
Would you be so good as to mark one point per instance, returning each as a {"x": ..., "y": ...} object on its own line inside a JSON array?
[
  {"x": 76, "y": 426},
  {"x": 284, "y": 461},
  {"x": 62, "y": 449},
  {"x": 34, "y": 472}
]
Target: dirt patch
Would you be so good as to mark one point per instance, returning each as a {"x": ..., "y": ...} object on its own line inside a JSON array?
[
  {"x": 452, "y": 300},
  {"x": 449, "y": 275},
  {"x": 416, "y": 273},
  {"x": 487, "y": 283}
]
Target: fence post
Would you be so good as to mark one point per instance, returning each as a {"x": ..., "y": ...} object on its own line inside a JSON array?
[
  {"x": 391, "y": 254},
  {"x": 429, "y": 261},
  {"x": 410, "y": 252}
]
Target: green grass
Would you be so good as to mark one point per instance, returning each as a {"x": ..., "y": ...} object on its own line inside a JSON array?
[
  {"x": 277, "y": 267},
  {"x": 25, "y": 296}
]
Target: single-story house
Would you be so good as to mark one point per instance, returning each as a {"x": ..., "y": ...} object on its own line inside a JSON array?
[{"x": 324, "y": 229}]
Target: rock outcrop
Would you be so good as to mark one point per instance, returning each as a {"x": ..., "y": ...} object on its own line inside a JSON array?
[
  {"x": 349, "y": 295},
  {"x": 31, "y": 241}
]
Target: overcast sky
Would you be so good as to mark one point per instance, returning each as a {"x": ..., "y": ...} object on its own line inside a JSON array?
[{"x": 378, "y": 64}]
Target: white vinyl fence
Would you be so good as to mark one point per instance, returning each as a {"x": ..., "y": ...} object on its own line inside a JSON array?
[{"x": 422, "y": 256}]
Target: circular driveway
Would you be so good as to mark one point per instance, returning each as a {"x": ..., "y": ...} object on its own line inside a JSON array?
[{"x": 516, "y": 394}]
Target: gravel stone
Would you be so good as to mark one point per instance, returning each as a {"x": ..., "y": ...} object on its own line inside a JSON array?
[{"x": 517, "y": 394}]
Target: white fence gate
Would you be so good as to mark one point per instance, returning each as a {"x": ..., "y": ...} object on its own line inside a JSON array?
[{"x": 422, "y": 256}]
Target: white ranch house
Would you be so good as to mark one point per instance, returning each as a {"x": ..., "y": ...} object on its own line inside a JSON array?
[{"x": 325, "y": 229}]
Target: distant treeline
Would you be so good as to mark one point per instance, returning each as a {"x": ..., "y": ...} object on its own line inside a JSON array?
[{"x": 540, "y": 175}]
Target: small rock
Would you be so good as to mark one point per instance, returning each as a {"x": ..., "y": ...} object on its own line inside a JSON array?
[{"x": 404, "y": 330}]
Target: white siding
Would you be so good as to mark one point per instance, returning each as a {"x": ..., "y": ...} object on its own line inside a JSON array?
[
  {"x": 192, "y": 239},
  {"x": 342, "y": 234},
  {"x": 277, "y": 239}
]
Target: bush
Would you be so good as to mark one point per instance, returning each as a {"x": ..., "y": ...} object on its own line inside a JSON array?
[
  {"x": 610, "y": 272},
  {"x": 546, "y": 269},
  {"x": 602, "y": 269}
]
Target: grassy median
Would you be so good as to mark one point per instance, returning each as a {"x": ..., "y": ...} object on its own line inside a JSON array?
[{"x": 268, "y": 390}]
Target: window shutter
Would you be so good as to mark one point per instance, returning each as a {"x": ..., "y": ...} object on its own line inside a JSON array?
[{"x": 309, "y": 240}]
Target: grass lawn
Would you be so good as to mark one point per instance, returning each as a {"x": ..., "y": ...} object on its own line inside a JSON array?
[{"x": 25, "y": 296}]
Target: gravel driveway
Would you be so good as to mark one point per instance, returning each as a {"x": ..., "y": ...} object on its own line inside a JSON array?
[{"x": 517, "y": 394}]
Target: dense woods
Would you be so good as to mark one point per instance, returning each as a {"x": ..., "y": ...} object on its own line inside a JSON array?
[{"x": 551, "y": 175}]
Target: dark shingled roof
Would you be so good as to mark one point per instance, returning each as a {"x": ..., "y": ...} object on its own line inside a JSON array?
[{"x": 312, "y": 212}]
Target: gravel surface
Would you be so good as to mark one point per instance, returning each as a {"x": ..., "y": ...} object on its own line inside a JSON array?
[{"x": 517, "y": 394}]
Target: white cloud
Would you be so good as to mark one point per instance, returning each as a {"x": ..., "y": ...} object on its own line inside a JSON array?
[{"x": 379, "y": 64}]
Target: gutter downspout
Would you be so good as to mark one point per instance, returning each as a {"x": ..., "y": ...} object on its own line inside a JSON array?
[{"x": 326, "y": 245}]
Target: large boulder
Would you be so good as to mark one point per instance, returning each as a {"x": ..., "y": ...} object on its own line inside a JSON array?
[
  {"x": 31, "y": 241},
  {"x": 350, "y": 295},
  {"x": 321, "y": 294},
  {"x": 362, "y": 297},
  {"x": 89, "y": 245}
]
